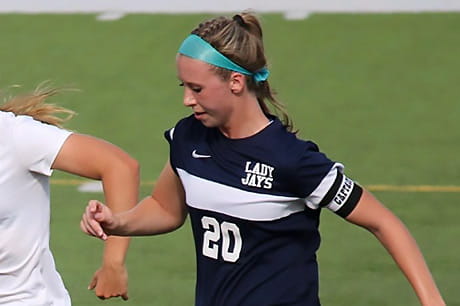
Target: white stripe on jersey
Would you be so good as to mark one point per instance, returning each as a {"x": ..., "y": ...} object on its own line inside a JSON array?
[
  {"x": 208, "y": 195},
  {"x": 171, "y": 133},
  {"x": 318, "y": 194}
]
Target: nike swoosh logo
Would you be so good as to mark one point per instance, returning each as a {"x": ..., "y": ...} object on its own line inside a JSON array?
[{"x": 196, "y": 155}]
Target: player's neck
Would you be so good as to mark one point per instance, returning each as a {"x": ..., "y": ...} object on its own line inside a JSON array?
[{"x": 245, "y": 121}]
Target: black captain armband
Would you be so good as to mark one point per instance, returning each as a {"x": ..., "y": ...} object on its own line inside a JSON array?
[{"x": 343, "y": 196}]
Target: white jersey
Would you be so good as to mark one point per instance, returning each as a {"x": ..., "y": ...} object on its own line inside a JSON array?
[{"x": 28, "y": 276}]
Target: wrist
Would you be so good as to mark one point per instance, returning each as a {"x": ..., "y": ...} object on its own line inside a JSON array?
[
  {"x": 115, "y": 227},
  {"x": 113, "y": 264}
]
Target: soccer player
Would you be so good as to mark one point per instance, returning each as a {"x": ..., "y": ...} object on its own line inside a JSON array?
[
  {"x": 253, "y": 190},
  {"x": 32, "y": 145}
]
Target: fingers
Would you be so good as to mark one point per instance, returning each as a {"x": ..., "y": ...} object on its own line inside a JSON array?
[
  {"x": 92, "y": 284},
  {"x": 104, "y": 297},
  {"x": 92, "y": 219},
  {"x": 110, "y": 282},
  {"x": 104, "y": 293},
  {"x": 92, "y": 227}
]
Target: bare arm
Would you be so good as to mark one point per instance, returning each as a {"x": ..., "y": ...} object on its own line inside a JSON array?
[
  {"x": 161, "y": 212},
  {"x": 395, "y": 237},
  {"x": 97, "y": 159}
]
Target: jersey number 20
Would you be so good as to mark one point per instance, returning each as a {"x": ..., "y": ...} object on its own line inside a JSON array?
[{"x": 225, "y": 236}]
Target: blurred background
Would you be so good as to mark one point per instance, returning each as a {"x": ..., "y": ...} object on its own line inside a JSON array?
[{"x": 375, "y": 85}]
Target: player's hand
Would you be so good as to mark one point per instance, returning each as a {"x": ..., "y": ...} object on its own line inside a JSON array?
[
  {"x": 97, "y": 220},
  {"x": 110, "y": 281}
]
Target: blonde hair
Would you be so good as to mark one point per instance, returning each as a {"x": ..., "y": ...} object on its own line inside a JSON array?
[
  {"x": 34, "y": 104},
  {"x": 240, "y": 39}
]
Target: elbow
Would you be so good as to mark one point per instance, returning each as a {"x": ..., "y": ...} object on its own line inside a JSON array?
[
  {"x": 128, "y": 167},
  {"x": 175, "y": 223},
  {"x": 133, "y": 166},
  {"x": 180, "y": 221},
  {"x": 120, "y": 166}
]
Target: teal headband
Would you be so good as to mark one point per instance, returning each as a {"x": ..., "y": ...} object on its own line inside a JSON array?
[{"x": 196, "y": 47}]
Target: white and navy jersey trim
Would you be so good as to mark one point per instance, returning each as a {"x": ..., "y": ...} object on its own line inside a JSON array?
[
  {"x": 227, "y": 200},
  {"x": 343, "y": 195},
  {"x": 254, "y": 206},
  {"x": 336, "y": 192}
]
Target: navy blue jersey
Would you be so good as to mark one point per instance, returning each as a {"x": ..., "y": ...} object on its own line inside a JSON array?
[{"x": 254, "y": 205}]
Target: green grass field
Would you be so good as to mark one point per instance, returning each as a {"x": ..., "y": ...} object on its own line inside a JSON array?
[{"x": 377, "y": 92}]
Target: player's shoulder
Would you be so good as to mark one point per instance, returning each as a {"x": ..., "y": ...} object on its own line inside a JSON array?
[
  {"x": 6, "y": 119},
  {"x": 185, "y": 128},
  {"x": 26, "y": 127},
  {"x": 289, "y": 143},
  {"x": 9, "y": 119},
  {"x": 297, "y": 154},
  {"x": 23, "y": 121}
]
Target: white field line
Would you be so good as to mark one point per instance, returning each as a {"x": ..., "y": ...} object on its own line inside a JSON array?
[{"x": 212, "y": 6}]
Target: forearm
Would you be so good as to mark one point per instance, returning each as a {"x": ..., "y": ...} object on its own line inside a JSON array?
[
  {"x": 149, "y": 217},
  {"x": 395, "y": 237},
  {"x": 115, "y": 250},
  {"x": 121, "y": 190}
]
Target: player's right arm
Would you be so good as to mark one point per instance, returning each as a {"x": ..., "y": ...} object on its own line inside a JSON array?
[{"x": 161, "y": 212}]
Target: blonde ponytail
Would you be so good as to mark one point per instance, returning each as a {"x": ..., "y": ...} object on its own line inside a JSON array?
[{"x": 34, "y": 105}]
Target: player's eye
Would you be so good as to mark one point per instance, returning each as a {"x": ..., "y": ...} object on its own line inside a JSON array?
[{"x": 195, "y": 88}]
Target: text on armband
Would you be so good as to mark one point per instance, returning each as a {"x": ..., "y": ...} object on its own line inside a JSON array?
[{"x": 344, "y": 191}]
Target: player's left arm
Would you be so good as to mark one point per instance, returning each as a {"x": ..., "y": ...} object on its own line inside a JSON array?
[
  {"x": 395, "y": 237},
  {"x": 95, "y": 158}
]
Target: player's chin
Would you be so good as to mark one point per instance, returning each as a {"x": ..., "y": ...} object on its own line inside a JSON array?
[{"x": 207, "y": 120}]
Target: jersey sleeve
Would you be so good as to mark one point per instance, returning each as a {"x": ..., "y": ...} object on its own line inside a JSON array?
[
  {"x": 178, "y": 137},
  {"x": 169, "y": 136},
  {"x": 37, "y": 144},
  {"x": 336, "y": 192},
  {"x": 325, "y": 184}
]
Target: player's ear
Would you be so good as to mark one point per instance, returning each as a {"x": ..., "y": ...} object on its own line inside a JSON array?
[{"x": 237, "y": 82}]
